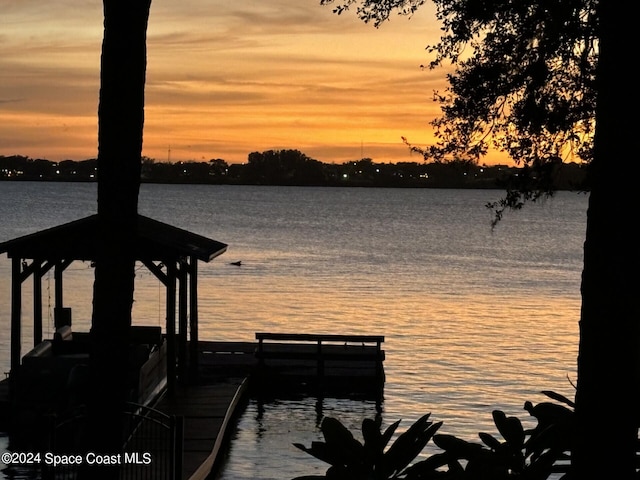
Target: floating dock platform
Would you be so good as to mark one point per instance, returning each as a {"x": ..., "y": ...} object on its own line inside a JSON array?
[{"x": 350, "y": 365}]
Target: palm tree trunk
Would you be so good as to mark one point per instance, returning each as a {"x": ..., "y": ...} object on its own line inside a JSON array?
[{"x": 121, "y": 120}]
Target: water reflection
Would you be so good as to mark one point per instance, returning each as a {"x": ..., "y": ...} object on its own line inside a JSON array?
[
  {"x": 262, "y": 448},
  {"x": 473, "y": 319}
]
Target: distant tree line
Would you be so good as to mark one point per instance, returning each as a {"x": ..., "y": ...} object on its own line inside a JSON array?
[{"x": 292, "y": 167}]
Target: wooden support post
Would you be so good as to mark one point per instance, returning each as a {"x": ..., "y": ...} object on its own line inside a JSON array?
[
  {"x": 16, "y": 313},
  {"x": 260, "y": 350},
  {"x": 37, "y": 302},
  {"x": 61, "y": 315},
  {"x": 193, "y": 319},
  {"x": 57, "y": 276},
  {"x": 320, "y": 360},
  {"x": 182, "y": 320},
  {"x": 171, "y": 325},
  {"x": 379, "y": 371}
]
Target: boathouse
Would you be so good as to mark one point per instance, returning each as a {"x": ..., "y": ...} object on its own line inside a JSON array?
[
  {"x": 170, "y": 253},
  {"x": 195, "y": 417}
]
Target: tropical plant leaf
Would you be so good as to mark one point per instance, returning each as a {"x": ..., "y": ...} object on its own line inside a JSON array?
[
  {"x": 542, "y": 467},
  {"x": 426, "y": 469},
  {"x": 548, "y": 413},
  {"x": 456, "y": 447},
  {"x": 373, "y": 443},
  {"x": 510, "y": 428},
  {"x": 553, "y": 438},
  {"x": 455, "y": 469},
  {"x": 559, "y": 398},
  {"x": 388, "y": 433},
  {"x": 342, "y": 472},
  {"x": 409, "y": 445},
  {"x": 371, "y": 426},
  {"x": 340, "y": 440},
  {"x": 370, "y": 431},
  {"x": 371, "y": 434},
  {"x": 490, "y": 441},
  {"x": 320, "y": 451}
]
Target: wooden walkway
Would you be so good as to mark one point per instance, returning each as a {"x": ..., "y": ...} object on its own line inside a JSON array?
[
  {"x": 208, "y": 411},
  {"x": 210, "y": 406}
]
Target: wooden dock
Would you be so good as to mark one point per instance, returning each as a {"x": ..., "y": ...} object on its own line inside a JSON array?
[
  {"x": 208, "y": 413},
  {"x": 349, "y": 365},
  {"x": 210, "y": 405},
  {"x": 229, "y": 372}
]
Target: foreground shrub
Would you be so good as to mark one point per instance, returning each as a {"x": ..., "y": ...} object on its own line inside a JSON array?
[
  {"x": 353, "y": 460},
  {"x": 532, "y": 454}
]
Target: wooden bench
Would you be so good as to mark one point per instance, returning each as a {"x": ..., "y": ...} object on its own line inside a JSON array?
[{"x": 320, "y": 348}]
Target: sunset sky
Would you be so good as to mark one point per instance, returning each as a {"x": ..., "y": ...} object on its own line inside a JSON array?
[{"x": 224, "y": 78}]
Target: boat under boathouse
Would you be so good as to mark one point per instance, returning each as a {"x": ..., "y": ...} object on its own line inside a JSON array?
[{"x": 170, "y": 253}]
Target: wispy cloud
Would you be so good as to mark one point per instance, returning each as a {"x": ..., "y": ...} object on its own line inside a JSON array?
[
  {"x": 223, "y": 79},
  {"x": 4, "y": 101}
]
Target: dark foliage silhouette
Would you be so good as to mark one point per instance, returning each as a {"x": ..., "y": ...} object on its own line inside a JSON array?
[
  {"x": 541, "y": 80},
  {"x": 532, "y": 454}
]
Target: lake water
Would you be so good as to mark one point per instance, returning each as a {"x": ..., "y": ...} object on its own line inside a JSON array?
[{"x": 473, "y": 319}]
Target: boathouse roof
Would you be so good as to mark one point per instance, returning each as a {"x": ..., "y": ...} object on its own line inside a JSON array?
[{"x": 76, "y": 240}]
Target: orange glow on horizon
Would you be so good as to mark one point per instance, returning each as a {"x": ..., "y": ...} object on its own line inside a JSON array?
[{"x": 224, "y": 81}]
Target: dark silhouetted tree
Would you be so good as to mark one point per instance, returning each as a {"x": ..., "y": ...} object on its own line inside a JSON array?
[
  {"x": 120, "y": 125},
  {"x": 283, "y": 167},
  {"x": 541, "y": 81}
]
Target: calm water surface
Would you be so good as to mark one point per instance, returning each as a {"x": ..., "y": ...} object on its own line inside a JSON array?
[{"x": 474, "y": 319}]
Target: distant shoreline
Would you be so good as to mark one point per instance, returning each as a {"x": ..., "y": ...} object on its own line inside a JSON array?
[
  {"x": 434, "y": 185},
  {"x": 292, "y": 168}
]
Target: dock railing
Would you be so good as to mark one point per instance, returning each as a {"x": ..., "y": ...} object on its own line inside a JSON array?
[
  {"x": 290, "y": 346},
  {"x": 152, "y": 447}
]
